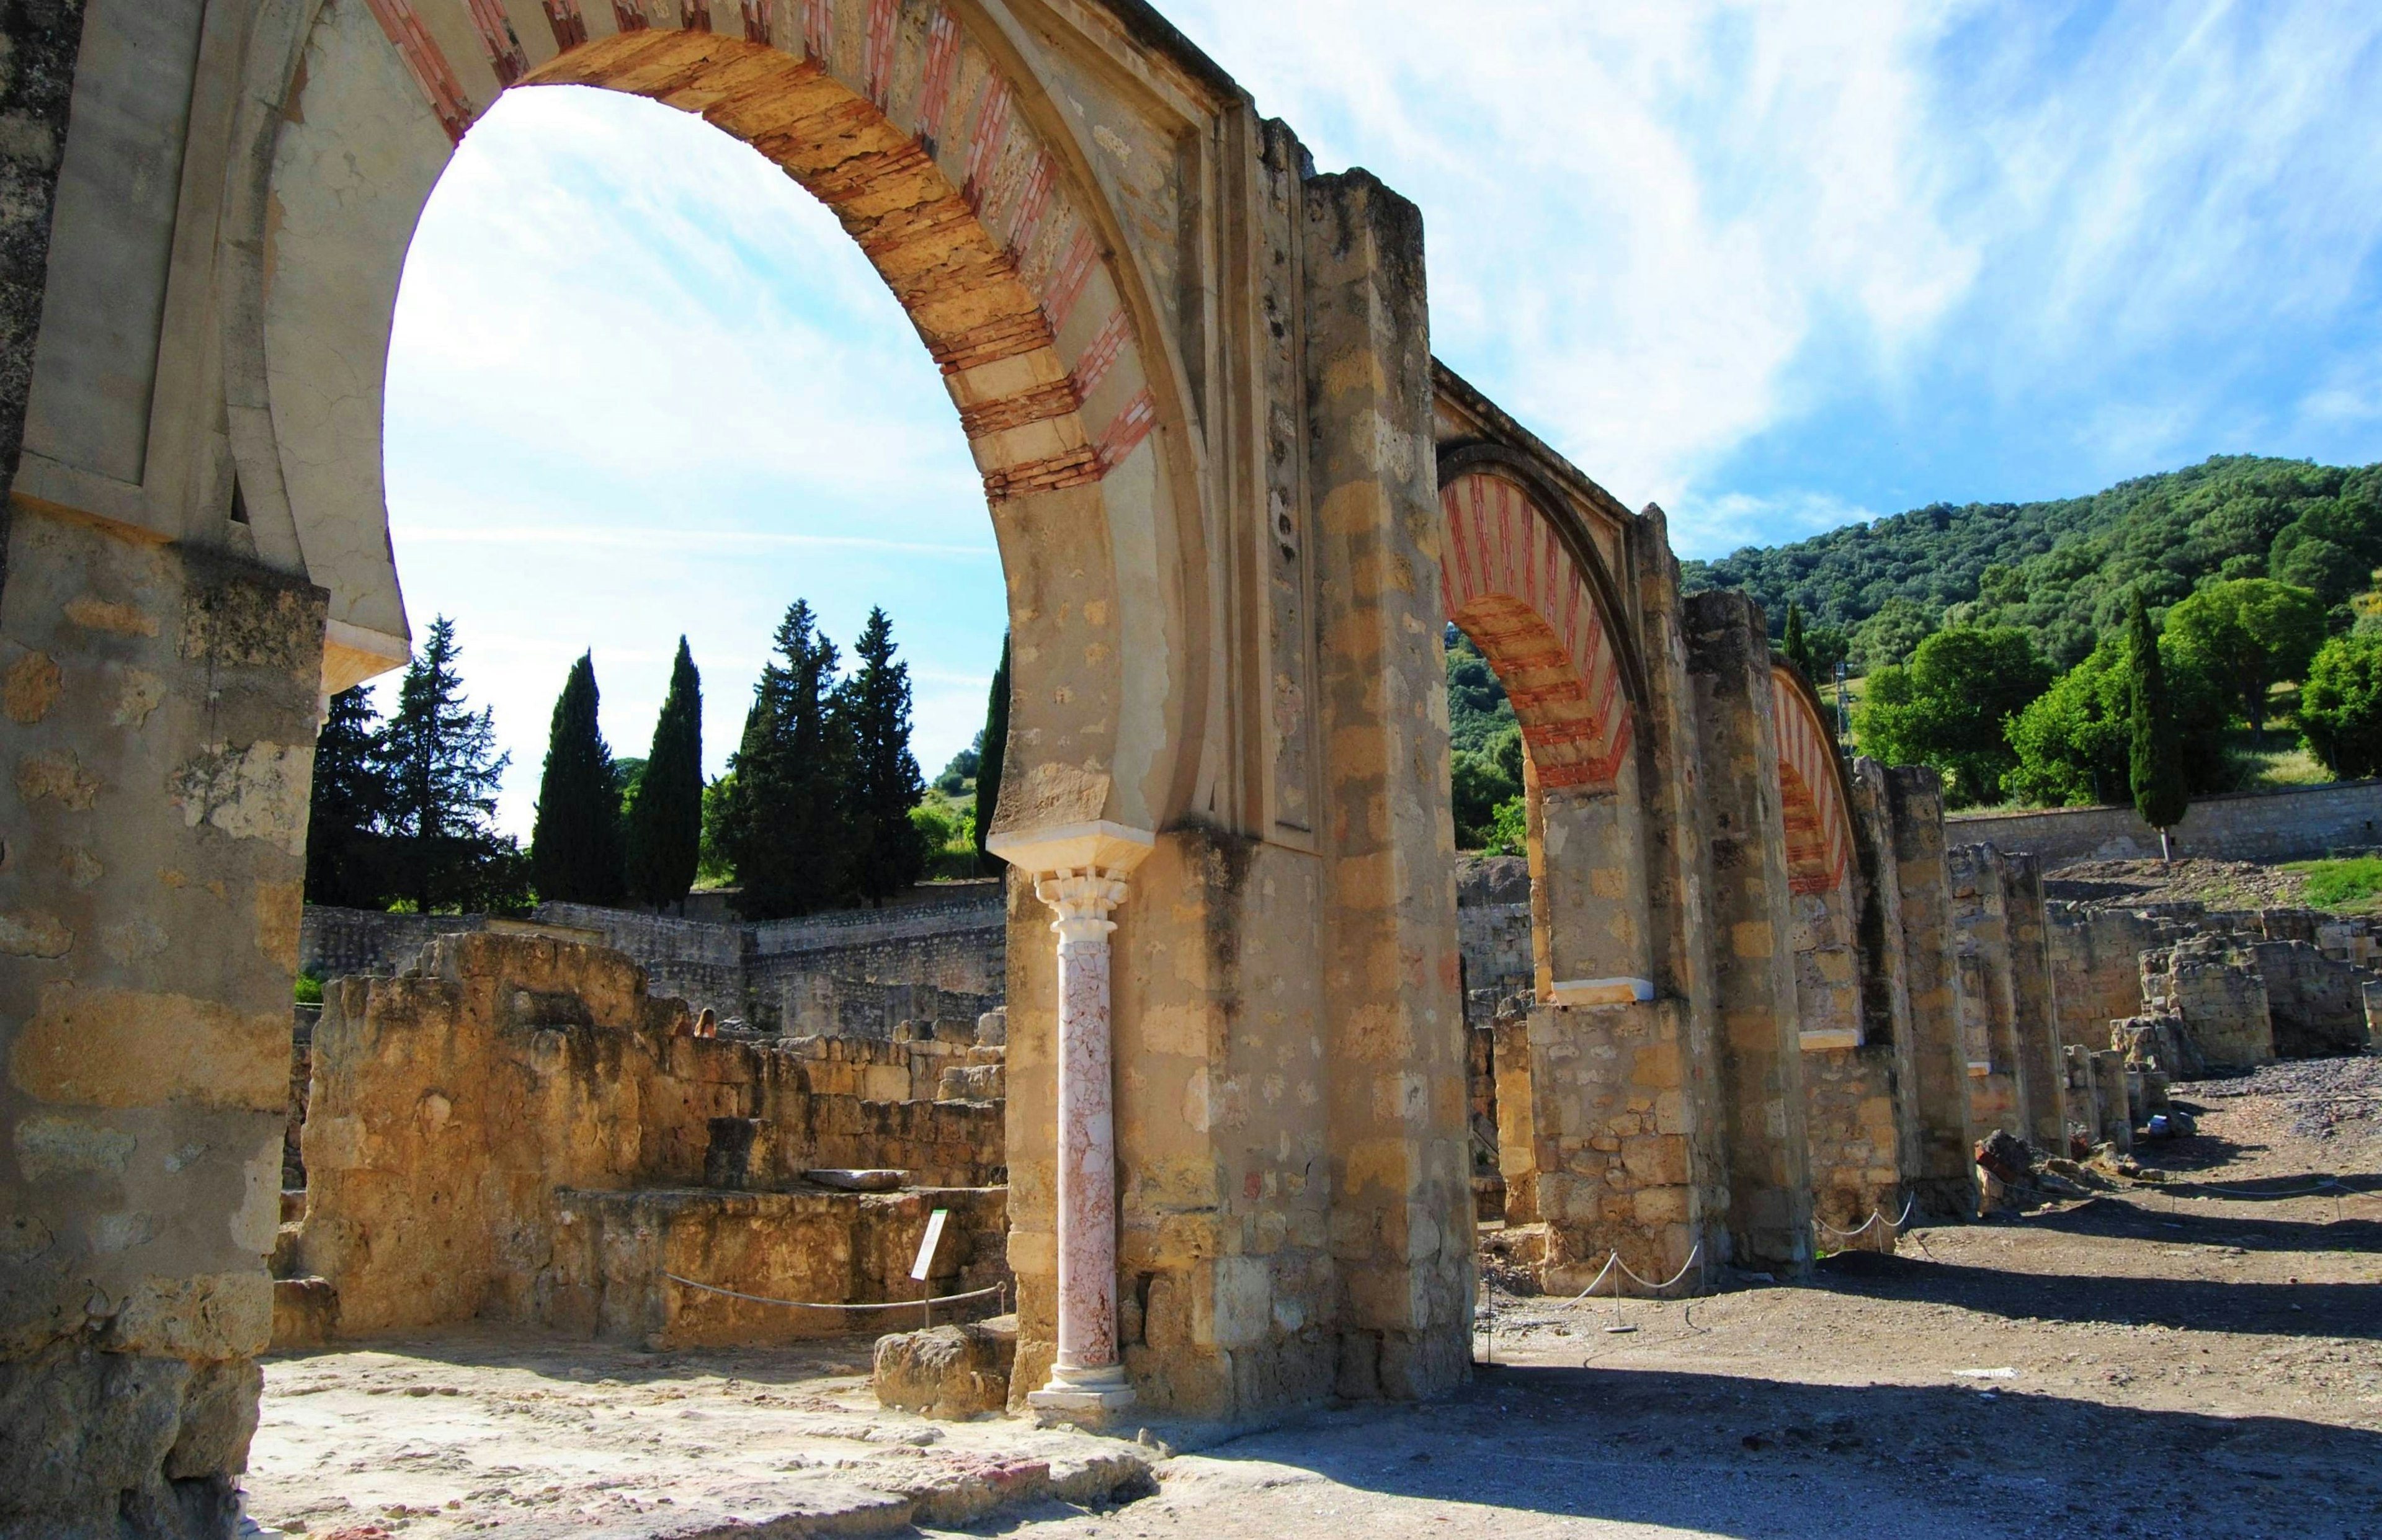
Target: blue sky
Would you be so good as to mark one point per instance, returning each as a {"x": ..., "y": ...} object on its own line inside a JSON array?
[{"x": 1776, "y": 266}]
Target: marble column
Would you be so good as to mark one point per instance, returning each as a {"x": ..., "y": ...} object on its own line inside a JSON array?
[{"x": 1081, "y": 874}]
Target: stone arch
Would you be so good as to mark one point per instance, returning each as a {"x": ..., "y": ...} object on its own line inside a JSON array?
[
  {"x": 1811, "y": 785},
  {"x": 919, "y": 128},
  {"x": 1539, "y": 604},
  {"x": 1522, "y": 578}
]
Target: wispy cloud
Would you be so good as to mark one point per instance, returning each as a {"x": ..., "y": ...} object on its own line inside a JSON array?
[
  {"x": 1777, "y": 265},
  {"x": 1671, "y": 234}
]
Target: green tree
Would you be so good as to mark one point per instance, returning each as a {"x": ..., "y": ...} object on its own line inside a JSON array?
[
  {"x": 443, "y": 768},
  {"x": 2155, "y": 757},
  {"x": 1891, "y": 635},
  {"x": 2341, "y": 706},
  {"x": 664, "y": 835},
  {"x": 888, "y": 853},
  {"x": 1477, "y": 707},
  {"x": 1480, "y": 783},
  {"x": 784, "y": 829},
  {"x": 958, "y": 778},
  {"x": 350, "y": 798},
  {"x": 574, "y": 847},
  {"x": 1947, "y": 706},
  {"x": 2249, "y": 634},
  {"x": 1795, "y": 645},
  {"x": 989, "y": 768},
  {"x": 2074, "y": 741}
]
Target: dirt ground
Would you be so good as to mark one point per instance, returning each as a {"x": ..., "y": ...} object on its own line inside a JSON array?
[
  {"x": 2196, "y": 1356},
  {"x": 2221, "y": 885}
]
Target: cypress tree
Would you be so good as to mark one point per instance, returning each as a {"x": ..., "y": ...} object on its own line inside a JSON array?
[
  {"x": 666, "y": 818},
  {"x": 888, "y": 853},
  {"x": 2155, "y": 756},
  {"x": 785, "y": 830},
  {"x": 574, "y": 849},
  {"x": 442, "y": 767},
  {"x": 350, "y": 798},
  {"x": 1797, "y": 647},
  {"x": 988, "y": 772}
]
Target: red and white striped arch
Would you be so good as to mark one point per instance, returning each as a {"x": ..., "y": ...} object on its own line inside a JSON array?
[
  {"x": 1818, "y": 826},
  {"x": 897, "y": 119},
  {"x": 1509, "y": 581}
]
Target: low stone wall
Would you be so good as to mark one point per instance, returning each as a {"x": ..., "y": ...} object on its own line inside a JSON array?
[
  {"x": 2112, "y": 965},
  {"x": 2301, "y": 823},
  {"x": 614, "y": 1252},
  {"x": 455, "y": 1105}
]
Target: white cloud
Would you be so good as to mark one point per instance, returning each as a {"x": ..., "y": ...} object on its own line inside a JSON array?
[{"x": 1662, "y": 231}]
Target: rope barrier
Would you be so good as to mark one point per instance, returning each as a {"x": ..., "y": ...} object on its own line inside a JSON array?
[
  {"x": 807, "y": 1304},
  {"x": 1613, "y": 1260},
  {"x": 1876, "y": 1217}
]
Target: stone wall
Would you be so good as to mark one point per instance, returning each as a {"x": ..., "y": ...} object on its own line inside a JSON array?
[
  {"x": 2113, "y": 964},
  {"x": 2298, "y": 823},
  {"x": 855, "y": 973},
  {"x": 160, "y": 704},
  {"x": 465, "y": 1112},
  {"x": 2214, "y": 990}
]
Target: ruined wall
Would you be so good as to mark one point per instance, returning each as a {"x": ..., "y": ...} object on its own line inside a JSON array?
[
  {"x": 2096, "y": 967},
  {"x": 2294, "y": 824},
  {"x": 454, "y": 1104},
  {"x": 160, "y": 707},
  {"x": 2213, "y": 990},
  {"x": 2316, "y": 1003},
  {"x": 614, "y": 1251}
]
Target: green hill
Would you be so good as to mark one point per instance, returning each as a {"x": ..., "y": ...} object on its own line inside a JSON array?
[{"x": 2061, "y": 568}]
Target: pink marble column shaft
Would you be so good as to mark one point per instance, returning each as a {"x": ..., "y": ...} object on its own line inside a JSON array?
[{"x": 1088, "y": 1367}]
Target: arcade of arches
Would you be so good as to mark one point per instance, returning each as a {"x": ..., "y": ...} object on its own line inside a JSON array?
[{"x": 1237, "y": 502}]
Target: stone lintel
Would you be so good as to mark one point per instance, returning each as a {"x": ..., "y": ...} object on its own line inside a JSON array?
[
  {"x": 1602, "y": 992},
  {"x": 1830, "y": 1037}
]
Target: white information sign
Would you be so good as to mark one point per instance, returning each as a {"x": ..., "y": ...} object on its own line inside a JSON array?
[{"x": 933, "y": 1238}]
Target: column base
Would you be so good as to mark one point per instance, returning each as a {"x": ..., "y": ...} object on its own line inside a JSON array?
[{"x": 1088, "y": 1396}]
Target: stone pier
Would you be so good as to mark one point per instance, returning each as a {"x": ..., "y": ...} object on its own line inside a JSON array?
[{"x": 1752, "y": 916}]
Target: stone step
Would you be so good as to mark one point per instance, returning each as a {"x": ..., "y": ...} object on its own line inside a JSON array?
[{"x": 305, "y": 1313}]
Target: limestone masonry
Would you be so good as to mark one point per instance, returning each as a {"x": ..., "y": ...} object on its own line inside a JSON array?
[{"x": 1230, "y": 1146}]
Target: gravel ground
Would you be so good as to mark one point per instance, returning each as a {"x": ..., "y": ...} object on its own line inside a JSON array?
[{"x": 2321, "y": 1099}]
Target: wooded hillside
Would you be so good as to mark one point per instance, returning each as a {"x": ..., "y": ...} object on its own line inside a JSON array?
[{"x": 2061, "y": 569}]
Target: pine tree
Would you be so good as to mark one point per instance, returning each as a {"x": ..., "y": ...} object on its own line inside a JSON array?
[
  {"x": 995, "y": 746},
  {"x": 2155, "y": 756},
  {"x": 350, "y": 798},
  {"x": 666, "y": 818},
  {"x": 888, "y": 853},
  {"x": 574, "y": 848},
  {"x": 785, "y": 831},
  {"x": 442, "y": 764},
  {"x": 1797, "y": 647}
]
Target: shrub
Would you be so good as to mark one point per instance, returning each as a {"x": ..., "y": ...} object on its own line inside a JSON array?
[{"x": 2341, "y": 706}]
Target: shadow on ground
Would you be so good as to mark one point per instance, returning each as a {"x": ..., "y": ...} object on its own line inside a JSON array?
[
  {"x": 1716, "y": 1454},
  {"x": 2343, "y": 1228}
]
